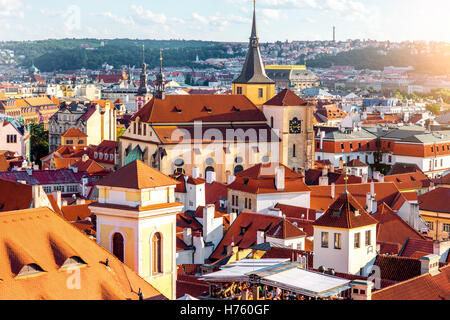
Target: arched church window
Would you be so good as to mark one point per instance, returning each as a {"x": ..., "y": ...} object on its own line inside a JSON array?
[
  {"x": 157, "y": 254},
  {"x": 238, "y": 169},
  {"x": 118, "y": 247}
]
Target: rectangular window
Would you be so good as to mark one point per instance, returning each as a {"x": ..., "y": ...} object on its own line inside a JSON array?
[
  {"x": 232, "y": 201},
  {"x": 357, "y": 240},
  {"x": 134, "y": 128},
  {"x": 69, "y": 142},
  {"x": 430, "y": 225},
  {"x": 446, "y": 227},
  {"x": 442, "y": 163},
  {"x": 338, "y": 241},
  {"x": 318, "y": 145},
  {"x": 260, "y": 93},
  {"x": 342, "y": 146},
  {"x": 324, "y": 239},
  {"x": 246, "y": 203},
  {"x": 368, "y": 238},
  {"x": 250, "y": 204},
  {"x": 239, "y": 90}
]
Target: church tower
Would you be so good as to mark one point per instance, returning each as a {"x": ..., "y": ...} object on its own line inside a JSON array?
[
  {"x": 253, "y": 82},
  {"x": 143, "y": 95},
  {"x": 160, "y": 87},
  {"x": 136, "y": 221}
]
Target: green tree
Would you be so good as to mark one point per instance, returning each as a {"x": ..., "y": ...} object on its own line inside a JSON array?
[
  {"x": 434, "y": 108},
  {"x": 39, "y": 142}
]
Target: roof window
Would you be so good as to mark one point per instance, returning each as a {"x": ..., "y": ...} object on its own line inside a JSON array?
[
  {"x": 30, "y": 270},
  {"x": 73, "y": 262}
]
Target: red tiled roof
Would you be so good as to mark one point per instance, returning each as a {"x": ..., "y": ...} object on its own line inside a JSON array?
[
  {"x": 411, "y": 180},
  {"x": 356, "y": 163},
  {"x": 286, "y": 98},
  {"x": 392, "y": 228},
  {"x": 137, "y": 175},
  {"x": 76, "y": 212},
  {"x": 343, "y": 214},
  {"x": 417, "y": 245},
  {"x": 260, "y": 179},
  {"x": 384, "y": 192},
  {"x": 74, "y": 133},
  {"x": 285, "y": 230},
  {"x": 190, "y": 108},
  {"x": 252, "y": 222},
  {"x": 15, "y": 196},
  {"x": 40, "y": 237},
  {"x": 398, "y": 268},
  {"x": 215, "y": 192},
  {"x": 436, "y": 200},
  {"x": 187, "y": 284},
  {"x": 424, "y": 287}
]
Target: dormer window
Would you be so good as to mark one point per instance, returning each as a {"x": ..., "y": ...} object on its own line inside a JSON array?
[
  {"x": 206, "y": 109},
  {"x": 243, "y": 231},
  {"x": 336, "y": 213},
  {"x": 73, "y": 262},
  {"x": 236, "y": 109},
  {"x": 30, "y": 270}
]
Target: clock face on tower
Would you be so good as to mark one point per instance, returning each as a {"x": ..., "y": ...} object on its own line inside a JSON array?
[{"x": 295, "y": 126}]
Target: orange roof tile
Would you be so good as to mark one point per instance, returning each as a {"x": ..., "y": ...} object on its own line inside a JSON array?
[
  {"x": 345, "y": 213},
  {"x": 436, "y": 200},
  {"x": 286, "y": 98},
  {"x": 424, "y": 287},
  {"x": 76, "y": 212},
  {"x": 285, "y": 230},
  {"x": 15, "y": 196},
  {"x": 39, "y": 237},
  {"x": 392, "y": 228},
  {"x": 190, "y": 108},
  {"x": 74, "y": 133},
  {"x": 137, "y": 175}
]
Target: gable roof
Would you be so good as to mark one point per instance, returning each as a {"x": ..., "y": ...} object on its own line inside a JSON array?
[
  {"x": 137, "y": 175},
  {"x": 398, "y": 268},
  {"x": 414, "y": 246},
  {"x": 436, "y": 200},
  {"x": 285, "y": 230},
  {"x": 73, "y": 133},
  {"x": 15, "y": 196},
  {"x": 42, "y": 238},
  {"x": 410, "y": 180},
  {"x": 392, "y": 228},
  {"x": 206, "y": 108},
  {"x": 424, "y": 287},
  {"x": 286, "y": 98},
  {"x": 345, "y": 213}
]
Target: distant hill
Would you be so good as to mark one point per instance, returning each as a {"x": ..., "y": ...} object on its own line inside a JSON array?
[
  {"x": 436, "y": 63},
  {"x": 70, "y": 54}
]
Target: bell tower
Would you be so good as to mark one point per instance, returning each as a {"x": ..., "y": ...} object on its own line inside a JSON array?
[
  {"x": 253, "y": 81},
  {"x": 160, "y": 87},
  {"x": 143, "y": 95}
]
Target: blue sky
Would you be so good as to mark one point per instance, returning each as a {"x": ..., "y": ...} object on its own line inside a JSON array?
[{"x": 225, "y": 20}]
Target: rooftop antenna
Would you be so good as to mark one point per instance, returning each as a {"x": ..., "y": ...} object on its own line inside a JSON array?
[{"x": 143, "y": 54}]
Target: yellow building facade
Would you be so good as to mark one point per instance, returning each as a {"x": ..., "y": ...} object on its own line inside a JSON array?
[{"x": 136, "y": 221}]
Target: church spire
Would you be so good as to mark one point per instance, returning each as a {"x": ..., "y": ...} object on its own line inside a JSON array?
[
  {"x": 160, "y": 86},
  {"x": 253, "y": 71},
  {"x": 143, "y": 88}
]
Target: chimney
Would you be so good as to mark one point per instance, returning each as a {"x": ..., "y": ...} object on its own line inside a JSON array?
[
  {"x": 260, "y": 237},
  {"x": 280, "y": 175},
  {"x": 231, "y": 179},
  {"x": 36, "y": 192},
  {"x": 362, "y": 290},
  {"x": 64, "y": 203},
  {"x": 30, "y": 171},
  {"x": 276, "y": 212},
  {"x": 210, "y": 177},
  {"x": 187, "y": 236},
  {"x": 333, "y": 191},
  {"x": 323, "y": 181},
  {"x": 440, "y": 247},
  {"x": 57, "y": 196},
  {"x": 80, "y": 201},
  {"x": 209, "y": 213},
  {"x": 376, "y": 175},
  {"x": 325, "y": 171},
  {"x": 430, "y": 264},
  {"x": 75, "y": 169},
  {"x": 85, "y": 158},
  {"x": 341, "y": 164},
  {"x": 195, "y": 172},
  {"x": 365, "y": 178},
  {"x": 372, "y": 189},
  {"x": 233, "y": 217},
  {"x": 381, "y": 178},
  {"x": 432, "y": 186}
]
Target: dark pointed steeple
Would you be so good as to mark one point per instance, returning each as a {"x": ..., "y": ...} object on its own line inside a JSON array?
[
  {"x": 143, "y": 88},
  {"x": 253, "y": 70},
  {"x": 160, "y": 87}
]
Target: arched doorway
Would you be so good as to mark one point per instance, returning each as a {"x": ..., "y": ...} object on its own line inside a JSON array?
[{"x": 118, "y": 248}]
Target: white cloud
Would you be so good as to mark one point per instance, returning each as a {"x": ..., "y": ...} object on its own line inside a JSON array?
[
  {"x": 116, "y": 18},
  {"x": 150, "y": 16},
  {"x": 11, "y": 8}
]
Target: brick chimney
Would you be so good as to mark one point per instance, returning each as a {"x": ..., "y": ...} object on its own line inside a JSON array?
[
  {"x": 280, "y": 176},
  {"x": 430, "y": 264},
  {"x": 195, "y": 172},
  {"x": 362, "y": 290}
]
